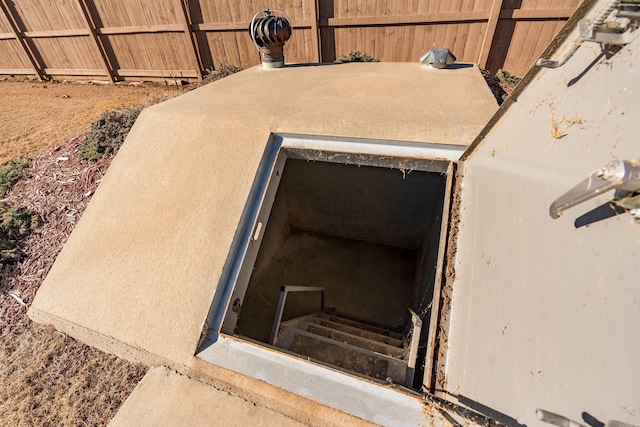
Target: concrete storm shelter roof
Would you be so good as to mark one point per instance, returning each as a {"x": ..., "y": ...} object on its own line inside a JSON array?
[
  {"x": 143, "y": 263},
  {"x": 139, "y": 273}
]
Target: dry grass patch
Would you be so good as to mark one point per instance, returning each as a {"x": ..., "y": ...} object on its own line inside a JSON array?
[
  {"x": 49, "y": 379},
  {"x": 37, "y": 116}
]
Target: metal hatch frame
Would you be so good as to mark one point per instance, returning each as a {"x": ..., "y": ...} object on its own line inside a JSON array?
[{"x": 219, "y": 347}]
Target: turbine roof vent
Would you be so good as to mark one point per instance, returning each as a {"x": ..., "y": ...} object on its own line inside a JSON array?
[{"x": 269, "y": 33}]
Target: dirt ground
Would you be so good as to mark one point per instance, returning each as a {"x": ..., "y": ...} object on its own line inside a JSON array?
[{"x": 36, "y": 116}]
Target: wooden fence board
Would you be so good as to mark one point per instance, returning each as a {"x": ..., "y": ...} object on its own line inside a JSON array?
[
  {"x": 217, "y": 50},
  {"x": 5, "y": 26},
  {"x": 13, "y": 58},
  {"x": 15, "y": 71},
  {"x": 492, "y": 24},
  {"x": 421, "y": 9},
  {"x": 535, "y": 31},
  {"x": 97, "y": 43},
  {"x": 314, "y": 44},
  {"x": 68, "y": 53},
  {"x": 48, "y": 15},
  {"x": 406, "y": 41},
  {"x": 519, "y": 37},
  {"x": 185, "y": 20}
]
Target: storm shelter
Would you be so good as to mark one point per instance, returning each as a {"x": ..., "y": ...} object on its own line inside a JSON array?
[
  {"x": 343, "y": 260},
  {"x": 161, "y": 263}
]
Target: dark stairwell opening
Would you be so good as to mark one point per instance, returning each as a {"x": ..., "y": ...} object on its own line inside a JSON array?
[{"x": 369, "y": 236}]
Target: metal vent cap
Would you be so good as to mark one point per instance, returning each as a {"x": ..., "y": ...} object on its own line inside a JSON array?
[{"x": 438, "y": 58}]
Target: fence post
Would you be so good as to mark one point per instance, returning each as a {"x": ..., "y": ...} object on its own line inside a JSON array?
[
  {"x": 91, "y": 26},
  {"x": 315, "y": 30},
  {"x": 496, "y": 7},
  {"x": 13, "y": 23},
  {"x": 186, "y": 24}
]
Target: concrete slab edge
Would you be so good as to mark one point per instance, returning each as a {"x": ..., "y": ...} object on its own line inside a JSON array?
[{"x": 164, "y": 397}]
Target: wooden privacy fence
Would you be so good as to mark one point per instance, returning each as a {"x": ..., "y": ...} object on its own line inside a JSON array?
[{"x": 181, "y": 39}]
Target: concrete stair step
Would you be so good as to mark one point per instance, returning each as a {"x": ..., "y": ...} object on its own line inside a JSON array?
[
  {"x": 356, "y": 324},
  {"x": 354, "y": 340},
  {"x": 342, "y": 355},
  {"x": 355, "y": 330}
]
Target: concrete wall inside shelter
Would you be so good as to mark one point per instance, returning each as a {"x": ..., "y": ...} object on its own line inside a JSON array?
[{"x": 386, "y": 206}]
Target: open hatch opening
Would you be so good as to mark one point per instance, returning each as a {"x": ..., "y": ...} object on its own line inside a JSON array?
[{"x": 365, "y": 241}]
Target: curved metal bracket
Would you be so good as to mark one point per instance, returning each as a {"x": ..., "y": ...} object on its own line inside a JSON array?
[{"x": 621, "y": 175}]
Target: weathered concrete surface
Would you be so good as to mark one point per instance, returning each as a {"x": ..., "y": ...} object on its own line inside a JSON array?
[
  {"x": 166, "y": 398},
  {"x": 143, "y": 263},
  {"x": 545, "y": 315}
]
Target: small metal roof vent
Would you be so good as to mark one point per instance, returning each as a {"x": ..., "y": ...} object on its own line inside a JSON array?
[
  {"x": 438, "y": 58},
  {"x": 269, "y": 33}
]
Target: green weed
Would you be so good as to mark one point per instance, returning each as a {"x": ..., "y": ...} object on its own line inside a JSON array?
[
  {"x": 356, "y": 56},
  {"x": 508, "y": 78},
  {"x": 220, "y": 73},
  {"x": 10, "y": 173},
  {"x": 15, "y": 224},
  {"x": 108, "y": 133}
]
